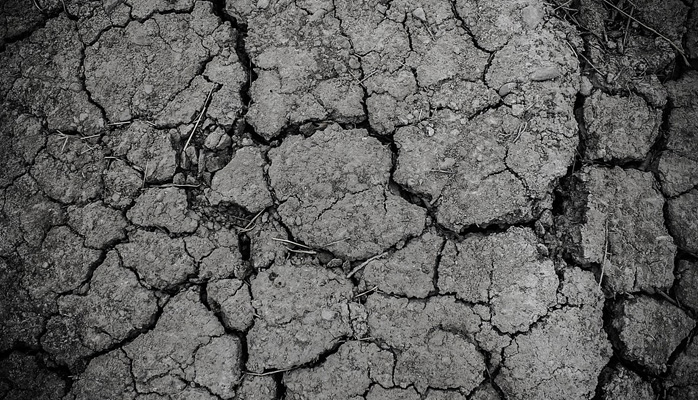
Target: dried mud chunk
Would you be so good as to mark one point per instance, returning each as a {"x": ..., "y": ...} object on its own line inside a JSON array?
[
  {"x": 333, "y": 190},
  {"x": 444, "y": 395},
  {"x": 217, "y": 365},
  {"x": 160, "y": 261},
  {"x": 121, "y": 184},
  {"x": 43, "y": 75},
  {"x": 678, "y": 165},
  {"x": 17, "y": 17},
  {"x": 115, "y": 307},
  {"x": 147, "y": 148},
  {"x": 100, "y": 225},
  {"x": 493, "y": 23},
  {"x": 96, "y": 16},
  {"x": 647, "y": 331},
  {"x": 494, "y": 168},
  {"x": 27, "y": 215},
  {"x": 29, "y": 380},
  {"x": 615, "y": 217},
  {"x": 579, "y": 288},
  {"x": 682, "y": 215},
  {"x": 687, "y": 282},
  {"x": 61, "y": 264},
  {"x": 685, "y": 369},
  {"x": 165, "y": 208},
  {"x": 141, "y": 9},
  {"x": 409, "y": 271},
  {"x": 70, "y": 171},
  {"x": 621, "y": 139},
  {"x": 624, "y": 384},
  {"x": 137, "y": 71},
  {"x": 559, "y": 358},
  {"x": 22, "y": 319},
  {"x": 24, "y": 138},
  {"x": 458, "y": 365},
  {"x": 231, "y": 298},
  {"x": 484, "y": 392},
  {"x": 242, "y": 182},
  {"x": 378, "y": 392},
  {"x": 419, "y": 329},
  {"x": 106, "y": 377},
  {"x": 346, "y": 374},
  {"x": 179, "y": 350},
  {"x": 217, "y": 252},
  {"x": 303, "y": 312},
  {"x": 303, "y": 65},
  {"x": 264, "y": 250},
  {"x": 257, "y": 388},
  {"x": 504, "y": 270}
]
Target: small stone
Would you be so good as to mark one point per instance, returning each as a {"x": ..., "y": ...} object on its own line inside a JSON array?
[
  {"x": 242, "y": 182},
  {"x": 419, "y": 14},
  {"x": 507, "y": 88},
  {"x": 545, "y": 74}
]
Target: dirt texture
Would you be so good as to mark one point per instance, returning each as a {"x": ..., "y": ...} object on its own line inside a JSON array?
[{"x": 339, "y": 199}]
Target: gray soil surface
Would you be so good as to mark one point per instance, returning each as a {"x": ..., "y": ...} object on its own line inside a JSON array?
[{"x": 339, "y": 199}]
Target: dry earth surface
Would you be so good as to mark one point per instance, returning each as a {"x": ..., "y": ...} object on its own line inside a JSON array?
[{"x": 341, "y": 199}]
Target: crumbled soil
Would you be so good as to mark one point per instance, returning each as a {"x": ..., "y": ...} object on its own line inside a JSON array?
[{"x": 336, "y": 199}]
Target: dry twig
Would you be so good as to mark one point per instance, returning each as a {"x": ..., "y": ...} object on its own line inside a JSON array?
[
  {"x": 198, "y": 120},
  {"x": 364, "y": 264}
]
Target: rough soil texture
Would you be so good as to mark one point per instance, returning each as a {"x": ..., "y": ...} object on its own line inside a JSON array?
[{"x": 360, "y": 200}]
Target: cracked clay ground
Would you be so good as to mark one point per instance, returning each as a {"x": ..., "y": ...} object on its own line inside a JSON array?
[{"x": 349, "y": 199}]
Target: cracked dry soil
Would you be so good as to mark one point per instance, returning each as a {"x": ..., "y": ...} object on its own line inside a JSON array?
[{"x": 339, "y": 199}]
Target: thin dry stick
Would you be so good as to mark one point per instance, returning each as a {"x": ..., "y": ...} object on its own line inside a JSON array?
[
  {"x": 583, "y": 57},
  {"x": 669, "y": 299},
  {"x": 605, "y": 251},
  {"x": 373, "y": 289},
  {"x": 290, "y": 242},
  {"x": 311, "y": 252},
  {"x": 119, "y": 123},
  {"x": 335, "y": 242},
  {"x": 267, "y": 373},
  {"x": 680, "y": 50},
  {"x": 627, "y": 29},
  {"x": 198, "y": 120},
  {"x": 37, "y": 6},
  {"x": 364, "y": 264},
  {"x": 250, "y": 225}
]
